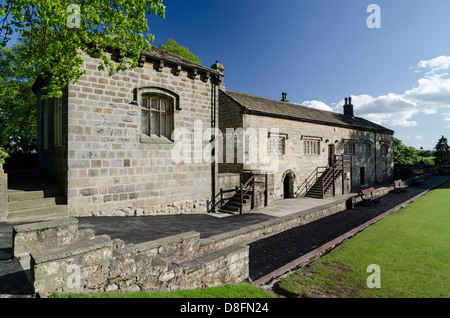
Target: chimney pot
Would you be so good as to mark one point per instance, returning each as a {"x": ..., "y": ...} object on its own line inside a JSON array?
[
  {"x": 348, "y": 107},
  {"x": 284, "y": 97}
]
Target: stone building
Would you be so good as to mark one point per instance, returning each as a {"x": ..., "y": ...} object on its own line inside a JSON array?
[
  {"x": 108, "y": 140},
  {"x": 296, "y": 145},
  {"x": 113, "y": 144}
]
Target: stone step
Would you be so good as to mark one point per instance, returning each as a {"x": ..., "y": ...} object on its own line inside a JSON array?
[
  {"x": 31, "y": 195},
  {"x": 38, "y": 214},
  {"x": 34, "y": 203}
]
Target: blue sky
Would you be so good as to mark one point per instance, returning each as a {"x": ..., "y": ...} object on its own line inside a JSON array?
[{"x": 321, "y": 51}]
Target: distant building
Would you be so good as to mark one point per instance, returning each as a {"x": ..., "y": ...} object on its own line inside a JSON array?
[{"x": 307, "y": 143}]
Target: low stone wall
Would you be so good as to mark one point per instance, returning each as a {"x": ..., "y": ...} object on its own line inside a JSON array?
[
  {"x": 43, "y": 235},
  {"x": 265, "y": 229},
  {"x": 63, "y": 259},
  {"x": 3, "y": 195}
]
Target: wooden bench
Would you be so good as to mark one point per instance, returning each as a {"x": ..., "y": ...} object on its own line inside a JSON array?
[
  {"x": 398, "y": 187},
  {"x": 419, "y": 180},
  {"x": 367, "y": 196}
]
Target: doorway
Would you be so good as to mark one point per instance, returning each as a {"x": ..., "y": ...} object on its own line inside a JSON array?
[
  {"x": 288, "y": 185},
  {"x": 330, "y": 155},
  {"x": 362, "y": 175}
]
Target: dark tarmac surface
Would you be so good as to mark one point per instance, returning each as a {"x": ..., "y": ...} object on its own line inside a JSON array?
[{"x": 266, "y": 255}]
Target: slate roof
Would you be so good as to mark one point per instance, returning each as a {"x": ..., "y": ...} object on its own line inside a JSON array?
[{"x": 268, "y": 107}]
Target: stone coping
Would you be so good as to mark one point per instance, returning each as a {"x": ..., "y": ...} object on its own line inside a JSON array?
[
  {"x": 79, "y": 247},
  {"x": 166, "y": 240},
  {"x": 44, "y": 225},
  {"x": 214, "y": 257}
]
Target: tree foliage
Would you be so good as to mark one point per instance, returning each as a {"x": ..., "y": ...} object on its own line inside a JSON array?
[
  {"x": 172, "y": 46},
  {"x": 17, "y": 104},
  {"x": 59, "y": 32},
  {"x": 404, "y": 154},
  {"x": 442, "y": 152}
]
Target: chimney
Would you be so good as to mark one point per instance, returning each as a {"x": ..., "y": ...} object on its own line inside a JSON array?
[
  {"x": 348, "y": 107},
  {"x": 284, "y": 97}
]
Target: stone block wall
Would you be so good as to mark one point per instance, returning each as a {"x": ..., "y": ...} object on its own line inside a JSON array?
[
  {"x": 302, "y": 165},
  {"x": 230, "y": 117},
  {"x": 113, "y": 169},
  {"x": 88, "y": 263}
]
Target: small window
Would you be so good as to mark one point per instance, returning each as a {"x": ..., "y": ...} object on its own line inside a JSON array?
[
  {"x": 311, "y": 147},
  {"x": 57, "y": 127},
  {"x": 384, "y": 149},
  {"x": 277, "y": 146},
  {"x": 349, "y": 148},
  {"x": 367, "y": 149},
  {"x": 156, "y": 116}
]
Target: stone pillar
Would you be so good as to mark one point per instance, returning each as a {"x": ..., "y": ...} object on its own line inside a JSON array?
[{"x": 3, "y": 195}]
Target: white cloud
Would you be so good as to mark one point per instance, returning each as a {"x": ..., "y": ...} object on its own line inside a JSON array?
[
  {"x": 431, "y": 93},
  {"x": 317, "y": 104},
  {"x": 437, "y": 64}
]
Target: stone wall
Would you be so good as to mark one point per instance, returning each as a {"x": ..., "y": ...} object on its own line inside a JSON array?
[
  {"x": 114, "y": 169},
  {"x": 301, "y": 165},
  {"x": 92, "y": 264},
  {"x": 230, "y": 117},
  {"x": 3, "y": 195}
]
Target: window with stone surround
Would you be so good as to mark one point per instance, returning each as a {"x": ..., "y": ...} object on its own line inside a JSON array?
[
  {"x": 350, "y": 148},
  {"x": 384, "y": 149},
  {"x": 311, "y": 147},
  {"x": 277, "y": 146},
  {"x": 367, "y": 148},
  {"x": 156, "y": 116}
]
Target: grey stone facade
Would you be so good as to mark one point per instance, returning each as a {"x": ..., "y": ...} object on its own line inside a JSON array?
[
  {"x": 106, "y": 164},
  {"x": 308, "y": 138},
  {"x": 109, "y": 161}
]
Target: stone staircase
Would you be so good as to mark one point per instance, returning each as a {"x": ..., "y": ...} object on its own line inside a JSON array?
[
  {"x": 33, "y": 197},
  {"x": 316, "y": 190},
  {"x": 234, "y": 204}
]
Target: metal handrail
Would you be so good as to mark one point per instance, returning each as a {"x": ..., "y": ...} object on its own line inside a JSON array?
[
  {"x": 309, "y": 182},
  {"x": 211, "y": 205}
]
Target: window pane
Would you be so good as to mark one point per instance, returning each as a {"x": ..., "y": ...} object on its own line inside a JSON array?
[
  {"x": 154, "y": 123},
  {"x": 144, "y": 103},
  {"x": 163, "y": 105},
  {"x": 164, "y": 124},
  {"x": 144, "y": 122},
  {"x": 154, "y": 103}
]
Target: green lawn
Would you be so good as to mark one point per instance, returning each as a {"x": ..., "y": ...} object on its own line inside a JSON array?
[
  {"x": 227, "y": 291},
  {"x": 411, "y": 248}
]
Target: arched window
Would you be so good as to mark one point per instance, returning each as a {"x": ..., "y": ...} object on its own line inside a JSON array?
[
  {"x": 158, "y": 107},
  {"x": 156, "y": 116}
]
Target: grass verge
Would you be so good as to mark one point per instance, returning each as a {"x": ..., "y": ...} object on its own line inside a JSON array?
[
  {"x": 410, "y": 247},
  {"x": 227, "y": 291}
]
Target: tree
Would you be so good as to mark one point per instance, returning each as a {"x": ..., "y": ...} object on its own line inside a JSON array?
[
  {"x": 172, "y": 46},
  {"x": 404, "y": 154},
  {"x": 442, "y": 152},
  {"x": 59, "y": 33},
  {"x": 17, "y": 105}
]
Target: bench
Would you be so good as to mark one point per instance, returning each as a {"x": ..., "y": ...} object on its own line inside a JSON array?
[
  {"x": 419, "y": 180},
  {"x": 398, "y": 187},
  {"x": 367, "y": 196}
]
